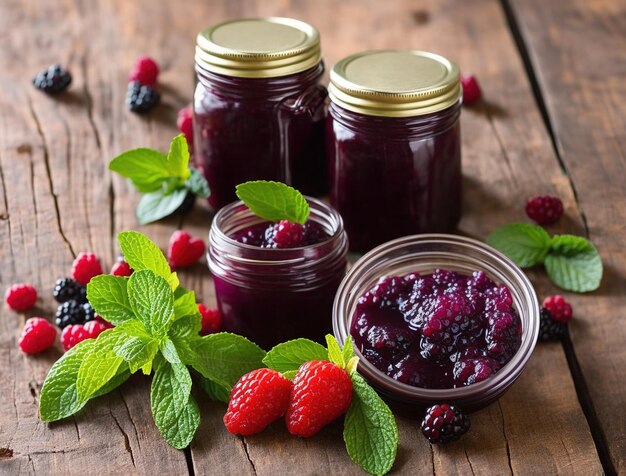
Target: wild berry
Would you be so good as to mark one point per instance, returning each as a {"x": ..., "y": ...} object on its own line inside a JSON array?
[
  {"x": 211, "y": 319},
  {"x": 559, "y": 308},
  {"x": 140, "y": 98},
  {"x": 21, "y": 297},
  {"x": 121, "y": 268},
  {"x": 85, "y": 267},
  {"x": 69, "y": 313},
  {"x": 444, "y": 423},
  {"x": 184, "y": 250},
  {"x": 145, "y": 71},
  {"x": 37, "y": 336},
  {"x": 53, "y": 80},
  {"x": 544, "y": 210},
  {"x": 95, "y": 328},
  {"x": 549, "y": 329},
  {"x": 257, "y": 399},
  {"x": 66, "y": 289},
  {"x": 73, "y": 335},
  {"x": 471, "y": 90},
  {"x": 184, "y": 121}
]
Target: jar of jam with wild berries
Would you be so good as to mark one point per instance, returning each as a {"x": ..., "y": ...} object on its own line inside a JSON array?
[
  {"x": 393, "y": 145},
  {"x": 259, "y": 110}
]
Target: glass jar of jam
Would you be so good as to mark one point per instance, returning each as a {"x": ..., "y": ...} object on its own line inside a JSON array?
[
  {"x": 259, "y": 110},
  {"x": 393, "y": 145},
  {"x": 272, "y": 295}
]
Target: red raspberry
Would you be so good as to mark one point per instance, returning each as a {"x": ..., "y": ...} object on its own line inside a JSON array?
[
  {"x": 544, "y": 210},
  {"x": 560, "y": 310},
  {"x": 211, "y": 320},
  {"x": 95, "y": 328},
  {"x": 85, "y": 267},
  {"x": 145, "y": 70},
  {"x": 471, "y": 90},
  {"x": 321, "y": 392},
  {"x": 288, "y": 234},
  {"x": 37, "y": 336},
  {"x": 73, "y": 335},
  {"x": 184, "y": 250},
  {"x": 257, "y": 399},
  {"x": 184, "y": 121},
  {"x": 21, "y": 297},
  {"x": 104, "y": 322},
  {"x": 121, "y": 268}
]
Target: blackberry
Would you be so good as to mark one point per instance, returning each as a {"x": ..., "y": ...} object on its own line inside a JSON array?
[
  {"x": 70, "y": 312},
  {"x": 141, "y": 98},
  {"x": 549, "y": 329},
  {"x": 66, "y": 289},
  {"x": 53, "y": 80},
  {"x": 88, "y": 313},
  {"x": 444, "y": 423}
]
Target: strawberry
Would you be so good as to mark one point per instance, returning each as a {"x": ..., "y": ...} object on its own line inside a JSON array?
[
  {"x": 322, "y": 391},
  {"x": 257, "y": 399},
  {"x": 184, "y": 250}
]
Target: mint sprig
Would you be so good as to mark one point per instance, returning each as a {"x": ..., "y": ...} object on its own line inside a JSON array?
[
  {"x": 166, "y": 180},
  {"x": 370, "y": 431},
  {"x": 572, "y": 262},
  {"x": 157, "y": 331},
  {"x": 274, "y": 201}
]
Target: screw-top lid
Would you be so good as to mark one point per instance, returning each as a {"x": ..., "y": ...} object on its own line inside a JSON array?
[
  {"x": 395, "y": 83},
  {"x": 258, "y": 47}
]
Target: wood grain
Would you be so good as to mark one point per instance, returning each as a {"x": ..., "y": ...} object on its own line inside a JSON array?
[
  {"x": 58, "y": 199},
  {"x": 578, "y": 50}
]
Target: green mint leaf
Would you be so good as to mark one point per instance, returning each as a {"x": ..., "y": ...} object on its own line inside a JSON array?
[
  {"x": 178, "y": 157},
  {"x": 59, "y": 398},
  {"x": 146, "y": 168},
  {"x": 186, "y": 326},
  {"x": 348, "y": 350},
  {"x": 109, "y": 297},
  {"x": 185, "y": 304},
  {"x": 168, "y": 350},
  {"x": 136, "y": 346},
  {"x": 120, "y": 377},
  {"x": 155, "y": 205},
  {"x": 370, "y": 430},
  {"x": 274, "y": 201},
  {"x": 224, "y": 357},
  {"x": 197, "y": 184},
  {"x": 526, "y": 245},
  {"x": 334, "y": 351},
  {"x": 99, "y": 365},
  {"x": 141, "y": 253},
  {"x": 292, "y": 354},
  {"x": 152, "y": 301},
  {"x": 215, "y": 391},
  {"x": 574, "y": 264},
  {"x": 175, "y": 413}
]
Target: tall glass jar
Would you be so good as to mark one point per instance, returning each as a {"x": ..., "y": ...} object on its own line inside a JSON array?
[
  {"x": 272, "y": 295},
  {"x": 393, "y": 145},
  {"x": 259, "y": 110}
]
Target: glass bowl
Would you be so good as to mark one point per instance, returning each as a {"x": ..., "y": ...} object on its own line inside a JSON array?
[{"x": 424, "y": 254}]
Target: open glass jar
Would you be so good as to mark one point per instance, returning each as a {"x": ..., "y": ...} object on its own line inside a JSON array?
[
  {"x": 423, "y": 254},
  {"x": 272, "y": 295},
  {"x": 393, "y": 145},
  {"x": 259, "y": 110}
]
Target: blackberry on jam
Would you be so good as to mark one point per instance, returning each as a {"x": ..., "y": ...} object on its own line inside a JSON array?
[
  {"x": 52, "y": 80},
  {"x": 549, "y": 329},
  {"x": 140, "y": 98},
  {"x": 66, "y": 289},
  {"x": 444, "y": 423}
]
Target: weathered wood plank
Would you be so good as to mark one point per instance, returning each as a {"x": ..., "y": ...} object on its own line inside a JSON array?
[{"x": 578, "y": 51}]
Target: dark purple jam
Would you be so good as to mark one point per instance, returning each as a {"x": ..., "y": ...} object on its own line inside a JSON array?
[
  {"x": 283, "y": 234},
  {"x": 440, "y": 330}
]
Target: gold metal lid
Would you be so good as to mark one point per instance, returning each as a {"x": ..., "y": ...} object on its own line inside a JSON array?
[
  {"x": 395, "y": 83},
  {"x": 258, "y": 47}
]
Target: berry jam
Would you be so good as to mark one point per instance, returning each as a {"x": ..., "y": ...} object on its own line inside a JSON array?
[
  {"x": 439, "y": 330},
  {"x": 283, "y": 234}
]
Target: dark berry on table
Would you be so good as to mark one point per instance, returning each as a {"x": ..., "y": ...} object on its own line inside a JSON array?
[
  {"x": 85, "y": 267},
  {"x": 184, "y": 121},
  {"x": 145, "y": 71},
  {"x": 88, "y": 312},
  {"x": 69, "y": 313},
  {"x": 21, "y": 297},
  {"x": 73, "y": 335},
  {"x": 66, "y": 289},
  {"x": 444, "y": 423},
  {"x": 121, "y": 268},
  {"x": 187, "y": 204},
  {"x": 37, "y": 336},
  {"x": 544, "y": 210},
  {"x": 559, "y": 308},
  {"x": 53, "y": 80},
  {"x": 471, "y": 90},
  {"x": 549, "y": 329},
  {"x": 141, "y": 98}
]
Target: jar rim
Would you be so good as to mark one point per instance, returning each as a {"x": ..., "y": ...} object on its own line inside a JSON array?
[{"x": 408, "y": 393}]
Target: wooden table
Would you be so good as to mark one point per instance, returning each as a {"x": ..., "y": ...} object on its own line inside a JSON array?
[{"x": 553, "y": 122}]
